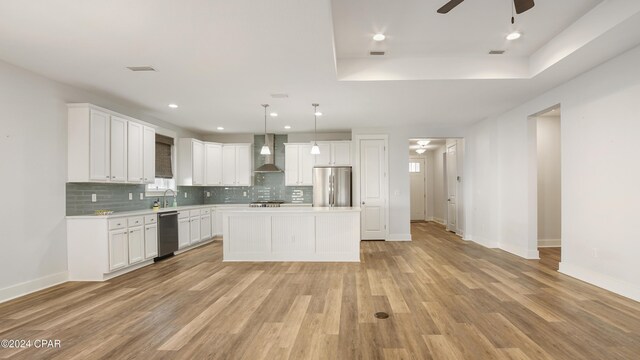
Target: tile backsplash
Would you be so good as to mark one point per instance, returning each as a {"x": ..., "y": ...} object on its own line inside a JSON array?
[{"x": 267, "y": 186}]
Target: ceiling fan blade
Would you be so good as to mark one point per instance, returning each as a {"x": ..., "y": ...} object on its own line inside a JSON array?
[
  {"x": 449, "y": 6},
  {"x": 523, "y": 5}
]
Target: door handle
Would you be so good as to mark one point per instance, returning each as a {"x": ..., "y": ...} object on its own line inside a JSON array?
[{"x": 363, "y": 203}]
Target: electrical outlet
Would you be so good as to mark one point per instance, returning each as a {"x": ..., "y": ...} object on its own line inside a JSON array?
[
  {"x": 141, "y": 196},
  {"x": 185, "y": 195},
  {"x": 244, "y": 193},
  {"x": 130, "y": 196},
  {"x": 94, "y": 198},
  {"x": 208, "y": 194}
]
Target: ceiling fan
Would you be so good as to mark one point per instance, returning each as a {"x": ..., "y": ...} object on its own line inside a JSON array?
[{"x": 520, "y": 5}]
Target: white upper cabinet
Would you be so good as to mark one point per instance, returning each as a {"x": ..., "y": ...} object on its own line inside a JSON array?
[
  {"x": 298, "y": 163},
  {"x": 213, "y": 164},
  {"x": 237, "y": 164},
  {"x": 190, "y": 162},
  {"x": 149, "y": 155},
  {"x": 99, "y": 153},
  {"x": 106, "y": 147},
  {"x": 118, "y": 149},
  {"x": 135, "y": 150},
  {"x": 334, "y": 153}
]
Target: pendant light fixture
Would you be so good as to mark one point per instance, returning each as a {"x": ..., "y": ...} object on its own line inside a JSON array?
[
  {"x": 315, "y": 149},
  {"x": 265, "y": 148}
]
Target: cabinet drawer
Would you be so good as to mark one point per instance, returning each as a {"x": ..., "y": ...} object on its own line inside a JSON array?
[
  {"x": 135, "y": 221},
  {"x": 115, "y": 224},
  {"x": 194, "y": 213},
  {"x": 151, "y": 219},
  {"x": 205, "y": 211},
  {"x": 183, "y": 214}
]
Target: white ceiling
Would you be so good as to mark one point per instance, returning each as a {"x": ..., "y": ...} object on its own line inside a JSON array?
[{"x": 219, "y": 59}]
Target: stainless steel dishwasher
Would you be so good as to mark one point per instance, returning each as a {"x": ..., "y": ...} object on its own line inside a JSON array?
[{"x": 167, "y": 233}]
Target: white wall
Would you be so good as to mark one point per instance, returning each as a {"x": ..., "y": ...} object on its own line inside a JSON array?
[
  {"x": 600, "y": 147},
  {"x": 430, "y": 165},
  {"x": 33, "y": 168},
  {"x": 439, "y": 196},
  {"x": 549, "y": 202}
]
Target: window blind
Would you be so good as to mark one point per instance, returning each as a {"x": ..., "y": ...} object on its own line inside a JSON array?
[{"x": 164, "y": 170}]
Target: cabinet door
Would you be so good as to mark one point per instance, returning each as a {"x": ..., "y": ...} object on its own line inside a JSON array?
[
  {"x": 218, "y": 223},
  {"x": 228, "y": 165},
  {"x": 184, "y": 233},
  {"x": 135, "y": 151},
  {"x": 136, "y": 244},
  {"x": 324, "y": 159},
  {"x": 214, "y": 228},
  {"x": 306, "y": 166},
  {"x": 99, "y": 153},
  {"x": 341, "y": 153},
  {"x": 205, "y": 227},
  {"x": 213, "y": 164},
  {"x": 291, "y": 165},
  {"x": 197, "y": 151},
  {"x": 118, "y": 249},
  {"x": 243, "y": 165},
  {"x": 150, "y": 241},
  {"x": 149, "y": 155},
  {"x": 118, "y": 149},
  {"x": 195, "y": 229}
]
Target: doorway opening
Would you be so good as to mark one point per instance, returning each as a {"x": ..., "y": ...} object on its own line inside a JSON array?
[
  {"x": 435, "y": 176},
  {"x": 549, "y": 191}
]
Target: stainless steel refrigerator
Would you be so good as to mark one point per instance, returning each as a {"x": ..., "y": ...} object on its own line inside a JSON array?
[{"x": 331, "y": 186}]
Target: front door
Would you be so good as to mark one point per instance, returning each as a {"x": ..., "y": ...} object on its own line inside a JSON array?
[
  {"x": 417, "y": 181},
  {"x": 373, "y": 193}
]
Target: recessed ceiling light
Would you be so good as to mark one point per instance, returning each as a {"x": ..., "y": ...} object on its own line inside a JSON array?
[
  {"x": 514, "y": 36},
  {"x": 173, "y": 106},
  {"x": 287, "y": 127},
  {"x": 220, "y": 128},
  {"x": 273, "y": 114},
  {"x": 379, "y": 37},
  {"x": 318, "y": 113}
]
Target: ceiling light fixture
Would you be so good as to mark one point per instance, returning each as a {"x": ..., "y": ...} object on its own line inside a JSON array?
[
  {"x": 379, "y": 37},
  {"x": 220, "y": 128},
  {"x": 315, "y": 149},
  {"x": 287, "y": 127},
  {"x": 423, "y": 142},
  {"x": 273, "y": 114},
  {"x": 421, "y": 151},
  {"x": 514, "y": 36},
  {"x": 265, "y": 148},
  {"x": 173, "y": 106},
  {"x": 317, "y": 113}
]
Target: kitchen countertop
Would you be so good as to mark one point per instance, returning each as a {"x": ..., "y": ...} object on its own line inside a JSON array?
[{"x": 180, "y": 208}]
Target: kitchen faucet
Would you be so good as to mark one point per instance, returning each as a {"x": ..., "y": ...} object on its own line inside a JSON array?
[{"x": 164, "y": 198}]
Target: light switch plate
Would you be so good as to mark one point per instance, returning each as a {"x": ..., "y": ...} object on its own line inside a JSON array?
[
  {"x": 208, "y": 194},
  {"x": 244, "y": 193},
  {"x": 94, "y": 198},
  {"x": 130, "y": 196}
]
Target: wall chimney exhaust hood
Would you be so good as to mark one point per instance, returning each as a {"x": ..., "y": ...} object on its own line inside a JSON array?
[{"x": 269, "y": 163}]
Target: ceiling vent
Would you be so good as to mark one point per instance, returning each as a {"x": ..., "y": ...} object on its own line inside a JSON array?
[
  {"x": 496, "y": 52},
  {"x": 376, "y": 53},
  {"x": 141, "y": 68},
  {"x": 279, "y": 96}
]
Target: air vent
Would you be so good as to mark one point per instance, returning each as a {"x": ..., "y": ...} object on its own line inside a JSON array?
[
  {"x": 141, "y": 68},
  {"x": 378, "y": 53},
  {"x": 279, "y": 96},
  {"x": 496, "y": 52}
]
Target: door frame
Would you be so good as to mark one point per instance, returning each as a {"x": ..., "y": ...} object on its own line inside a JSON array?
[
  {"x": 356, "y": 176},
  {"x": 424, "y": 185}
]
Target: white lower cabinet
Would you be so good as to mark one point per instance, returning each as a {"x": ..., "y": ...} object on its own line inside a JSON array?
[
  {"x": 136, "y": 244},
  {"x": 195, "y": 229},
  {"x": 150, "y": 241},
  {"x": 184, "y": 239},
  {"x": 205, "y": 226},
  {"x": 118, "y": 249}
]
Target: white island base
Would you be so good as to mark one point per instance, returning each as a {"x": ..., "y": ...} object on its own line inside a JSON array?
[{"x": 291, "y": 234}]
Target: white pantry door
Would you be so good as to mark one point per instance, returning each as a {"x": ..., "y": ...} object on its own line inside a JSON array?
[
  {"x": 452, "y": 188},
  {"x": 373, "y": 194},
  {"x": 417, "y": 180}
]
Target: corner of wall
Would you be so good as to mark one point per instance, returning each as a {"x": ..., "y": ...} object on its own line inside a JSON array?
[{"x": 27, "y": 287}]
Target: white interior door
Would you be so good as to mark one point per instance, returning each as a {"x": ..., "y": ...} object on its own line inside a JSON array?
[
  {"x": 418, "y": 196},
  {"x": 452, "y": 188},
  {"x": 373, "y": 192}
]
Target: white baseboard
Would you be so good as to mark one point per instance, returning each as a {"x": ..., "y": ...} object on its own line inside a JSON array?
[
  {"x": 30, "y": 286},
  {"x": 484, "y": 242},
  {"x": 522, "y": 252},
  {"x": 399, "y": 237},
  {"x": 549, "y": 242},
  {"x": 439, "y": 221},
  {"x": 600, "y": 280}
]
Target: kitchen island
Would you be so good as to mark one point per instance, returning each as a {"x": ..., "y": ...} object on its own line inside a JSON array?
[{"x": 291, "y": 234}]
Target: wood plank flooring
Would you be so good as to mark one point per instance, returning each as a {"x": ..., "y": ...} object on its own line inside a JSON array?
[
  {"x": 447, "y": 299},
  {"x": 550, "y": 257}
]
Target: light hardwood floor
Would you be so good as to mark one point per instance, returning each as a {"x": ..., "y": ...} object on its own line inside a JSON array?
[{"x": 447, "y": 299}]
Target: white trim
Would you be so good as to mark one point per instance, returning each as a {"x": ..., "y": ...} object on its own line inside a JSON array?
[
  {"x": 31, "y": 286},
  {"x": 438, "y": 220},
  {"x": 601, "y": 280},
  {"x": 356, "y": 174},
  {"x": 399, "y": 237},
  {"x": 522, "y": 252},
  {"x": 198, "y": 244},
  {"x": 542, "y": 243}
]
